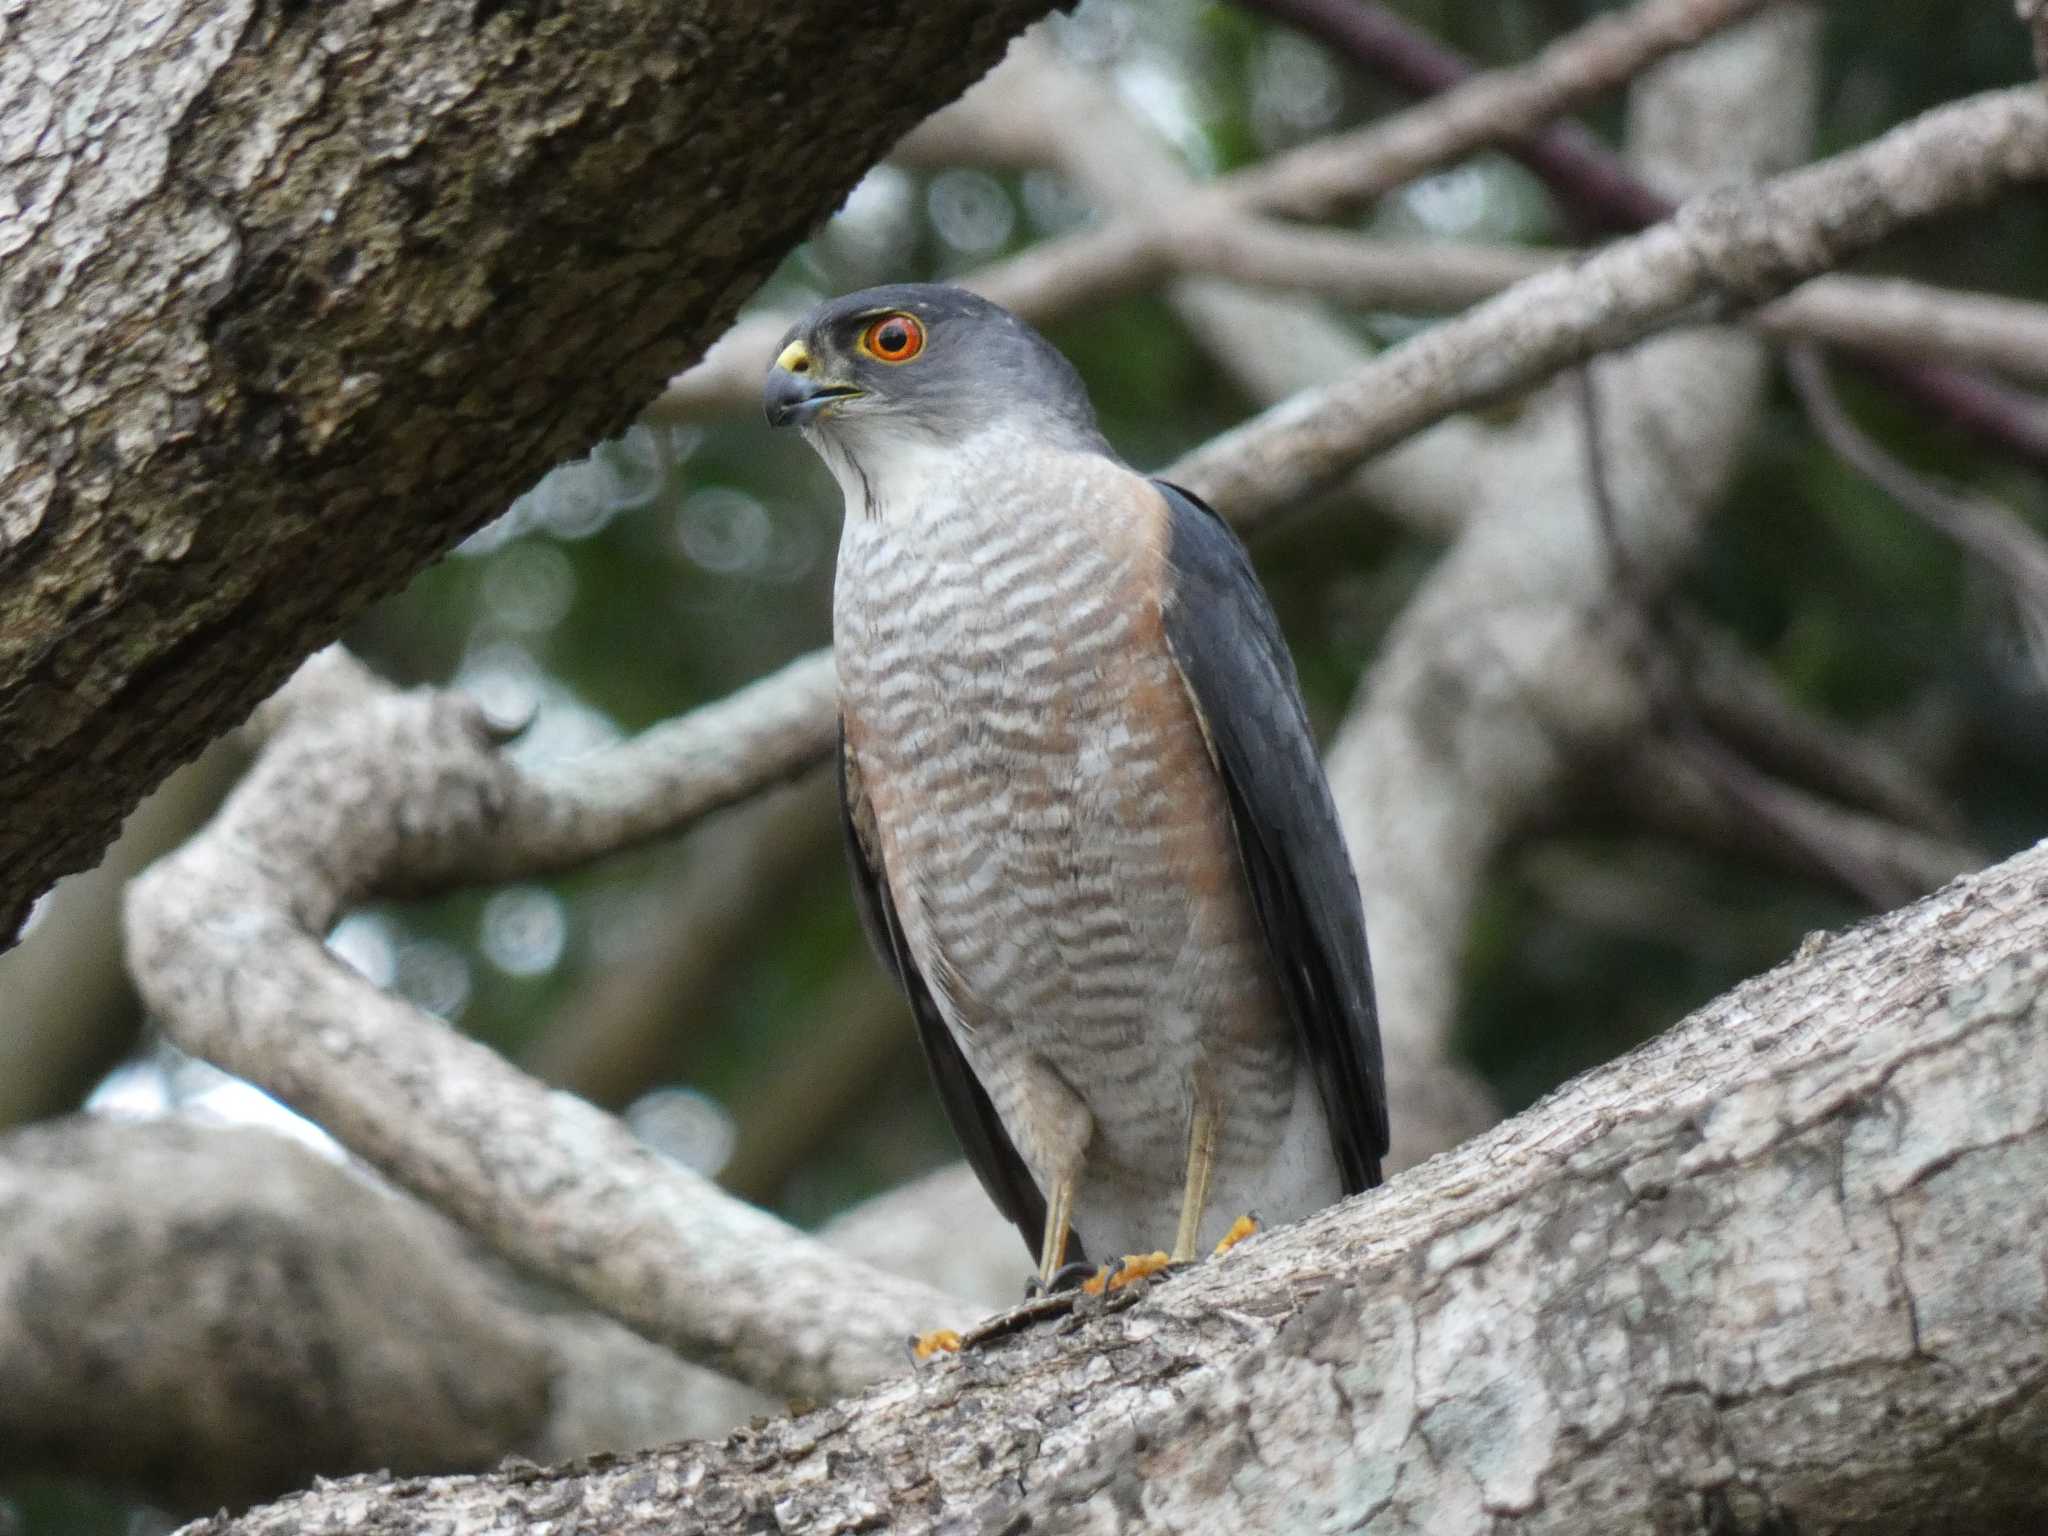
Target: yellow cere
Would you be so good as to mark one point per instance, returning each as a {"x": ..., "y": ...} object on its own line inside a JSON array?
[{"x": 796, "y": 357}]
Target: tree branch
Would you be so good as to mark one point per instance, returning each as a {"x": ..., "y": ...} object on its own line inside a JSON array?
[
  {"x": 205, "y": 1315},
  {"x": 257, "y": 1316},
  {"x": 1697, "y": 789},
  {"x": 2006, "y": 336},
  {"x": 1517, "y": 665},
  {"x": 2000, "y": 541},
  {"x": 1515, "y": 107},
  {"x": 1722, "y": 253},
  {"x": 1740, "y": 701},
  {"x": 1344, "y": 169},
  {"x": 296, "y": 296},
  {"x": 1602, "y": 191},
  {"x": 1780, "y": 1268},
  {"x": 403, "y": 792}
]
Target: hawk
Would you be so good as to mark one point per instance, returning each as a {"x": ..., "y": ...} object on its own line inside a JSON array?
[{"x": 1089, "y": 833}]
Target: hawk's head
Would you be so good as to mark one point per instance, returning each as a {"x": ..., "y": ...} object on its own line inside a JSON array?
[{"x": 923, "y": 360}]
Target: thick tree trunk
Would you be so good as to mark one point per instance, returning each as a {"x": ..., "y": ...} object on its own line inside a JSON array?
[
  {"x": 292, "y": 296},
  {"x": 1782, "y": 1269}
]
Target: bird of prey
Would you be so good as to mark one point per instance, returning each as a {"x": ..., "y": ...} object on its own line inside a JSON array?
[{"x": 1089, "y": 832}]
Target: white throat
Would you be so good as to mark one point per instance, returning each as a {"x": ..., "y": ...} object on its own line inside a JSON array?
[{"x": 895, "y": 476}]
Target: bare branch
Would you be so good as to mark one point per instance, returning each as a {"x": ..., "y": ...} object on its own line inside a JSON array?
[
  {"x": 1347, "y": 168},
  {"x": 1782, "y": 1263},
  {"x": 204, "y": 1315},
  {"x": 1739, "y": 701},
  {"x": 1722, "y": 253},
  {"x": 406, "y": 792},
  {"x": 1514, "y": 106},
  {"x": 2009, "y": 336},
  {"x": 1697, "y": 789},
  {"x": 1991, "y": 534},
  {"x": 1600, "y": 189}
]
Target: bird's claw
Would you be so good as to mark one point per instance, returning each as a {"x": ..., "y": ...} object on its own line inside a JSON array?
[
  {"x": 939, "y": 1341},
  {"x": 1065, "y": 1278},
  {"x": 1245, "y": 1226},
  {"x": 1135, "y": 1267}
]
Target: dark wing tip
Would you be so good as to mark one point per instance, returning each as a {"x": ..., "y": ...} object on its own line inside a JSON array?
[{"x": 1227, "y": 643}]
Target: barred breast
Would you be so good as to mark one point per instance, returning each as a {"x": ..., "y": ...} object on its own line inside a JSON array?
[{"x": 1057, "y": 841}]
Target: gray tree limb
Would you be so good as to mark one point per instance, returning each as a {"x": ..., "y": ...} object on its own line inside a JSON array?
[
  {"x": 204, "y": 1316},
  {"x": 365, "y": 791},
  {"x": 207, "y": 1316},
  {"x": 1722, "y": 253},
  {"x": 1781, "y": 1268},
  {"x": 291, "y": 297},
  {"x": 1519, "y": 661},
  {"x": 70, "y": 1012}
]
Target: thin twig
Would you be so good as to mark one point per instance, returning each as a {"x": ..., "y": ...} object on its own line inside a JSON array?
[
  {"x": 1726, "y": 251},
  {"x": 1881, "y": 865},
  {"x": 1993, "y": 535},
  {"x": 1603, "y": 192}
]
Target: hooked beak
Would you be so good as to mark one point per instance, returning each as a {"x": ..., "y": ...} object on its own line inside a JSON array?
[
  {"x": 794, "y": 394},
  {"x": 797, "y": 399}
]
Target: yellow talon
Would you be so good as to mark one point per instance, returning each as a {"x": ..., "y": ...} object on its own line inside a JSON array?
[
  {"x": 1135, "y": 1267},
  {"x": 940, "y": 1341},
  {"x": 1240, "y": 1229}
]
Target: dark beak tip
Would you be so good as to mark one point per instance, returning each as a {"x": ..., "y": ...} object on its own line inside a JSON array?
[
  {"x": 798, "y": 398},
  {"x": 782, "y": 397}
]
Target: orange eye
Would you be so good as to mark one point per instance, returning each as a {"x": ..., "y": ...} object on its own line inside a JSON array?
[{"x": 893, "y": 339}]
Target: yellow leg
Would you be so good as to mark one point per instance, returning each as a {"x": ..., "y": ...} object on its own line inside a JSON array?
[
  {"x": 1201, "y": 1159},
  {"x": 1059, "y": 1220}
]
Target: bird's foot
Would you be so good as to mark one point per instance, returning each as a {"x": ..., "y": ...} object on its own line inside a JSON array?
[
  {"x": 940, "y": 1341},
  {"x": 1114, "y": 1277},
  {"x": 1245, "y": 1226},
  {"x": 1065, "y": 1278}
]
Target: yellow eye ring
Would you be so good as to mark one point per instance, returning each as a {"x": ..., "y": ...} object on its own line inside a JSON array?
[{"x": 893, "y": 339}]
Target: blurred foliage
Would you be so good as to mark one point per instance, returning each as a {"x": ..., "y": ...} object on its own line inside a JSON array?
[{"x": 671, "y": 567}]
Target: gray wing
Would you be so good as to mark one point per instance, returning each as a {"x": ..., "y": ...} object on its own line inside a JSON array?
[
  {"x": 989, "y": 1150},
  {"x": 1227, "y": 644}
]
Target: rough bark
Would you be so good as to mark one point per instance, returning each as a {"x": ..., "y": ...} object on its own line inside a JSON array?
[
  {"x": 1780, "y": 1269},
  {"x": 293, "y": 296}
]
